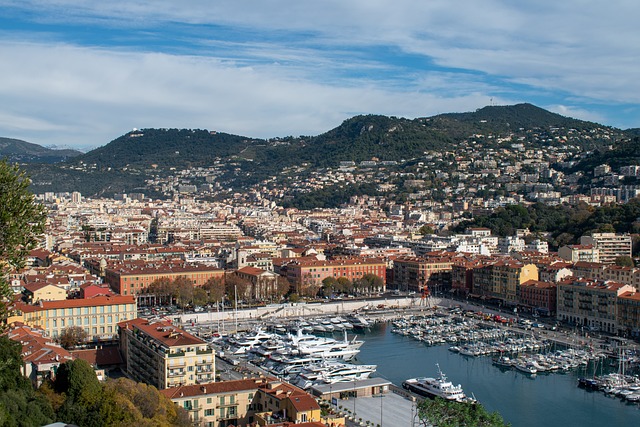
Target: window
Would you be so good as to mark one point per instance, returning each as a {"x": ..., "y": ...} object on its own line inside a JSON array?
[
  {"x": 209, "y": 412},
  {"x": 209, "y": 401}
]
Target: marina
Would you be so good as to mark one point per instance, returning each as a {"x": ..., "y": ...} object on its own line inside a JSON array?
[{"x": 530, "y": 377}]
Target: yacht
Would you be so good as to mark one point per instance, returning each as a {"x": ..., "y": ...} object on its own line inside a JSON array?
[
  {"x": 243, "y": 344},
  {"x": 437, "y": 387},
  {"x": 331, "y": 373}
]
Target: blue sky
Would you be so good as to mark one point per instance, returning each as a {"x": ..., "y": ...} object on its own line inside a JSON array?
[{"x": 81, "y": 73}]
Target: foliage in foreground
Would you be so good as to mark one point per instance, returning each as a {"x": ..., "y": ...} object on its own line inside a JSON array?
[
  {"x": 442, "y": 413},
  {"x": 76, "y": 396}
]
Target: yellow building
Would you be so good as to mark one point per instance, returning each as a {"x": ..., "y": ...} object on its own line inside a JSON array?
[
  {"x": 98, "y": 316},
  {"x": 38, "y": 291},
  {"x": 257, "y": 401},
  {"x": 163, "y": 355},
  {"x": 590, "y": 303}
]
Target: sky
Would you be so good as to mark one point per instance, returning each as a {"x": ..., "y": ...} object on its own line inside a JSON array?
[{"x": 80, "y": 73}]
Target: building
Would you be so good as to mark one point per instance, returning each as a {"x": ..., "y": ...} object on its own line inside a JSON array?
[
  {"x": 578, "y": 253},
  {"x": 610, "y": 245},
  {"x": 628, "y": 314},
  {"x": 163, "y": 355},
  {"x": 41, "y": 356},
  {"x": 301, "y": 272},
  {"x": 538, "y": 296},
  {"x": 416, "y": 274},
  {"x": 263, "y": 284},
  {"x": 135, "y": 278},
  {"x": 501, "y": 279},
  {"x": 43, "y": 291},
  {"x": 98, "y": 316},
  {"x": 257, "y": 401},
  {"x": 590, "y": 303}
]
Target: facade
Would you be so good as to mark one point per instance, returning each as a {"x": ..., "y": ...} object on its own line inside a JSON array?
[
  {"x": 257, "y": 401},
  {"x": 34, "y": 292},
  {"x": 628, "y": 314},
  {"x": 590, "y": 303},
  {"x": 576, "y": 253},
  {"x": 502, "y": 279},
  {"x": 135, "y": 278},
  {"x": 263, "y": 283},
  {"x": 98, "y": 316},
  {"x": 308, "y": 271},
  {"x": 164, "y": 356},
  {"x": 610, "y": 245},
  {"x": 416, "y": 274},
  {"x": 539, "y": 297}
]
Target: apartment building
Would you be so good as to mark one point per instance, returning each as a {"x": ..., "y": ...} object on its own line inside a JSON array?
[
  {"x": 628, "y": 314},
  {"x": 163, "y": 355},
  {"x": 258, "y": 401},
  {"x": 501, "y": 279},
  {"x": 98, "y": 316},
  {"x": 590, "y": 303},
  {"x": 577, "y": 253},
  {"x": 539, "y": 296},
  {"x": 416, "y": 274},
  {"x": 610, "y": 245}
]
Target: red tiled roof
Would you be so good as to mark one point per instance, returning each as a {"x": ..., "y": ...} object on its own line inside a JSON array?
[{"x": 163, "y": 331}]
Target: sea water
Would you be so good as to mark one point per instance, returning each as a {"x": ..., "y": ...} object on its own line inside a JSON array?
[{"x": 546, "y": 399}]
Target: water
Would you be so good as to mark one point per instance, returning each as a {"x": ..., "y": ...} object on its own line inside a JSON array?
[{"x": 544, "y": 400}]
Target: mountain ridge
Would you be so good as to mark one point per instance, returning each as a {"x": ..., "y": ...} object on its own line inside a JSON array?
[{"x": 244, "y": 161}]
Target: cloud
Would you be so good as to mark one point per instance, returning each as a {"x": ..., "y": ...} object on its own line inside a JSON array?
[
  {"x": 89, "y": 71},
  {"x": 95, "y": 95}
]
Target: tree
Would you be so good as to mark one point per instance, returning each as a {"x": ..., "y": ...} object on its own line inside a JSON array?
[
  {"x": 215, "y": 287},
  {"x": 283, "y": 286},
  {"x": 22, "y": 220},
  {"x": 183, "y": 290},
  {"x": 19, "y": 404},
  {"x": 624, "y": 261},
  {"x": 426, "y": 230},
  {"x": 77, "y": 379},
  {"x": 72, "y": 336},
  {"x": 235, "y": 284},
  {"x": 443, "y": 413}
]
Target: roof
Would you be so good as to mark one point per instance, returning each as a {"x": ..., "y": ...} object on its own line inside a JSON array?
[
  {"x": 212, "y": 388},
  {"x": 104, "y": 356},
  {"x": 162, "y": 331}
]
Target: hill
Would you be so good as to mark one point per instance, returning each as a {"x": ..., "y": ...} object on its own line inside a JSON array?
[
  {"x": 123, "y": 164},
  {"x": 19, "y": 151}
]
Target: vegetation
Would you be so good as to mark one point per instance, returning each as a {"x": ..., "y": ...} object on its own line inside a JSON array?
[
  {"x": 78, "y": 397},
  {"x": 442, "y": 413},
  {"x": 123, "y": 164},
  {"x": 22, "y": 220},
  {"x": 20, "y": 405},
  {"x": 72, "y": 336},
  {"x": 563, "y": 224}
]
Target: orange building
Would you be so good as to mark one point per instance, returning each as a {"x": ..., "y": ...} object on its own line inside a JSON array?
[
  {"x": 134, "y": 278},
  {"x": 308, "y": 271}
]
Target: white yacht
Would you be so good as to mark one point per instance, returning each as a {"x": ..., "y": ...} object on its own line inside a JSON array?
[
  {"x": 331, "y": 373},
  {"x": 437, "y": 387},
  {"x": 241, "y": 345}
]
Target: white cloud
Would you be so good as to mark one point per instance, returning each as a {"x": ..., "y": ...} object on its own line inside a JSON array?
[
  {"x": 273, "y": 68},
  {"x": 94, "y": 96}
]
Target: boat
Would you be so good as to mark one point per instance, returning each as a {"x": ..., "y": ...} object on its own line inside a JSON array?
[
  {"x": 525, "y": 367},
  {"x": 331, "y": 373},
  {"x": 437, "y": 387},
  {"x": 503, "y": 362}
]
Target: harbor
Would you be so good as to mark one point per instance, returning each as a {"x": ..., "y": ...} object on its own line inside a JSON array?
[{"x": 395, "y": 347}]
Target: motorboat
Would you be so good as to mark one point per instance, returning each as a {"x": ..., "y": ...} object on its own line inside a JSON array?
[{"x": 437, "y": 387}]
